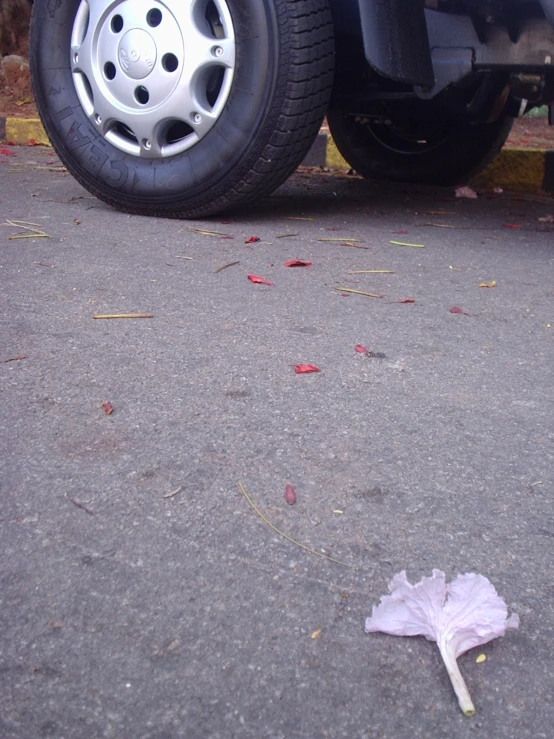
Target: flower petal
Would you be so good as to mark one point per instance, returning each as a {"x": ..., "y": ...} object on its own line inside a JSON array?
[
  {"x": 474, "y": 613},
  {"x": 410, "y": 610}
]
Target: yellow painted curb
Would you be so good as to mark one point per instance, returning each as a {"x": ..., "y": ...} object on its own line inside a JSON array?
[
  {"x": 23, "y": 130},
  {"x": 334, "y": 159},
  {"x": 513, "y": 169},
  {"x": 516, "y": 169}
]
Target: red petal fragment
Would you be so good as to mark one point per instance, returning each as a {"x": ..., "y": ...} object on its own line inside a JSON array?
[
  {"x": 290, "y": 495},
  {"x": 511, "y": 225},
  {"x": 259, "y": 280},
  {"x": 7, "y": 153},
  {"x": 406, "y": 300},
  {"x": 297, "y": 263},
  {"x": 456, "y": 309},
  {"x": 402, "y": 231},
  {"x": 107, "y": 407},
  {"x": 31, "y": 142},
  {"x": 361, "y": 349},
  {"x": 252, "y": 240},
  {"x": 301, "y": 369}
]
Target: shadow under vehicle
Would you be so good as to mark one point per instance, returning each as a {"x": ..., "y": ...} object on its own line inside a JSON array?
[{"x": 185, "y": 108}]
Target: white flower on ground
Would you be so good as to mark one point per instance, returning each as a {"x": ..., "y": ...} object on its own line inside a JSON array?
[{"x": 464, "y": 614}]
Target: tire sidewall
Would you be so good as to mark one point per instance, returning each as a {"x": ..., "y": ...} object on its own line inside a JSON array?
[{"x": 215, "y": 164}]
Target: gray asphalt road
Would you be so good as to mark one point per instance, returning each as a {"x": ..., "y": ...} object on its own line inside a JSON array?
[{"x": 128, "y": 613}]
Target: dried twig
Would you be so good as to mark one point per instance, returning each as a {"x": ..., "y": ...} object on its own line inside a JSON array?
[
  {"x": 286, "y": 536},
  {"x": 15, "y": 359},
  {"x": 370, "y": 272},
  {"x": 344, "y": 240},
  {"x": 173, "y": 493},
  {"x": 124, "y": 315},
  {"x": 224, "y": 266},
  {"x": 205, "y": 231},
  {"x": 80, "y": 505},
  {"x": 403, "y": 243},
  {"x": 34, "y": 228},
  {"x": 358, "y": 292}
]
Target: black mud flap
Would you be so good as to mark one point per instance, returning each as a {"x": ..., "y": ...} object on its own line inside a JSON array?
[
  {"x": 395, "y": 40},
  {"x": 548, "y": 9}
]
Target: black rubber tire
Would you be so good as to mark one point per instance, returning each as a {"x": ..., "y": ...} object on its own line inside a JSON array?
[
  {"x": 458, "y": 153},
  {"x": 280, "y": 93}
]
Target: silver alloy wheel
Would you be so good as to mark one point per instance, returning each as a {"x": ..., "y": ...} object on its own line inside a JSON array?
[{"x": 153, "y": 76}]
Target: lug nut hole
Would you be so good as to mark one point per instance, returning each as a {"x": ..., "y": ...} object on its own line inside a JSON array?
[
  {"x": 142, "y": 95},
  {"x": 154, "y": 17},
  {"x": 170, "y": 62},
  {"x": 117, "y": 23},
  {"x": 109, "y": 70}
]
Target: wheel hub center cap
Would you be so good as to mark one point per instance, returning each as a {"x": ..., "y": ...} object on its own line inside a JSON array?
[{"x": 137, "y": 53}]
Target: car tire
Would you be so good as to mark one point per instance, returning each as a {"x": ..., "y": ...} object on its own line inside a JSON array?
[
  {"x": 448, "y": 153},
  {"x": 181, "y": 109}
]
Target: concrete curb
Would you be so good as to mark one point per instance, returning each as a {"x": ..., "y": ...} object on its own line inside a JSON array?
[{"x": 531, "y": 170}]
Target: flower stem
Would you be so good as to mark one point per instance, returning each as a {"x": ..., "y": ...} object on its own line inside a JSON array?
[{"x": 456, "y": 678}]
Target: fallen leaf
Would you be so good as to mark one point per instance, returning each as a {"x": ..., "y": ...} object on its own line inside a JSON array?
[
  {"x": 316, "y": 634},
  {"x": 361, "y": 349},
  {"x": 252, "y": 240},
  {"x": 76, "y": 221},
  {"x": 512, "y": 225},
  {"x": 259, "y": 280},
  {"x": 466, "y": 192},
  {"x": 290, "y": 495},
  {"x": 107, "y": 407},
  {"x": 297, "y": 263},
  {"x": 547, "y": 219},
  {"x": 481, "y": 658},
  {"x": 488, "y": 284},
  {"x": 456, "y": 309},
  {"x": 497, "y": 190},
  {"x": 406, "y": 300},
  {"x": 302, "y": 369}
]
